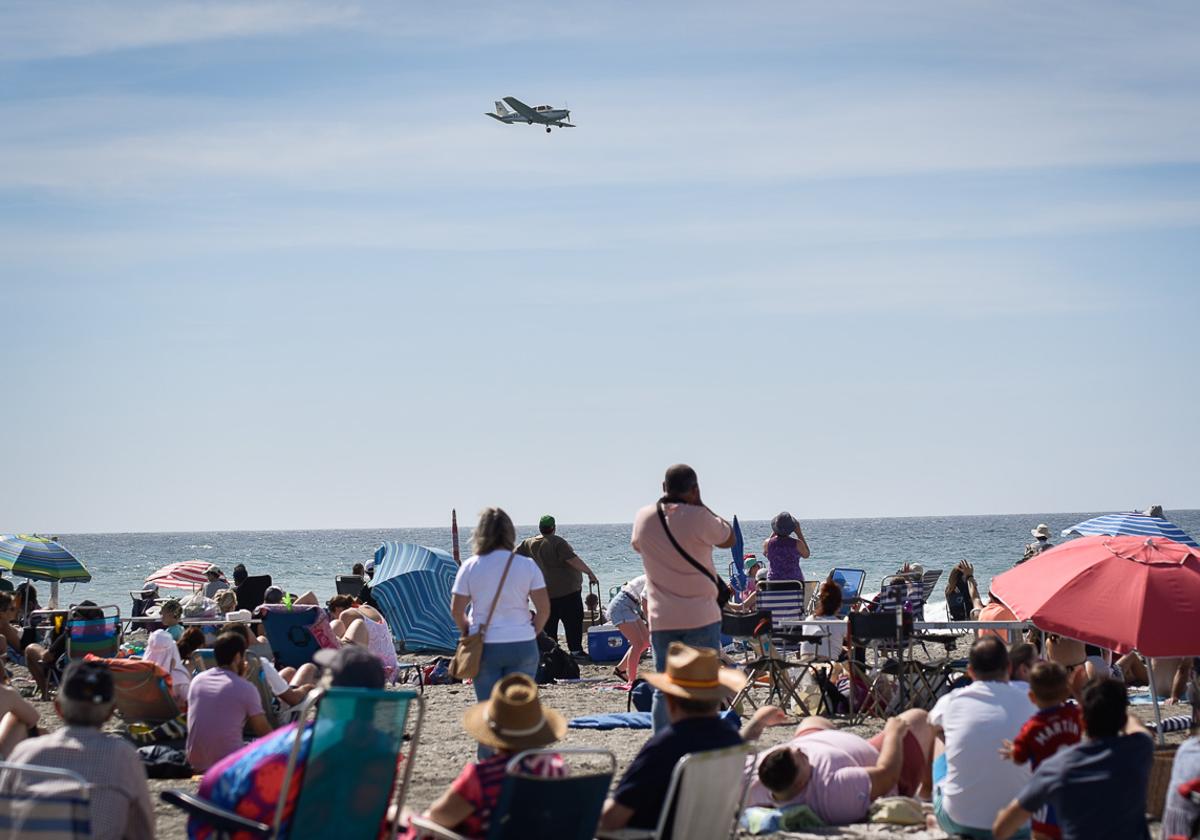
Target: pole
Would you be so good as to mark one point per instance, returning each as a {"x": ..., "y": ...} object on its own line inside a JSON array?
[
  {"x": 53, "y": 594},
  {"x": 454, "y": 535},
  {"x": 1162, "y": 742}
]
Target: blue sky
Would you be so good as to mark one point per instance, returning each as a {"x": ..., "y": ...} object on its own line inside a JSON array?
[{"x": 269, "y": 266}]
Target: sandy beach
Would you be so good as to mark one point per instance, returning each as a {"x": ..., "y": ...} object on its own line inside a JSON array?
[{"x": 444, "y": 748}]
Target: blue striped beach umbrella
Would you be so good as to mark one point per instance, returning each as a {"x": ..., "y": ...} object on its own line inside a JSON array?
[
  {"x": 39, "y": 558},
  {"x": 1133, "y": 525},
  {"x": 412, "y": 588}
]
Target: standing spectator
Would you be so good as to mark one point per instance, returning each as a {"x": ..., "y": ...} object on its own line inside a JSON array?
[
  {"x": 563, "y": 571},
  {"x": 1057, "y": 724},
  {"x": 694, "y": 684},
  {"x": 838, "y": 774},
  {"x": 1098, "y": 786},
  {"x": 627, "y": 610},
  {"x": 681, "y": 582},
  {"x": 784, "y": 552},
  {"x": 120, "y": 799},
  {"x": 1040, "y": 543},
  {"x": 494, "y": 586},
  {"x": 221, "y": 704},
  {"x": 971, "y": 780}
]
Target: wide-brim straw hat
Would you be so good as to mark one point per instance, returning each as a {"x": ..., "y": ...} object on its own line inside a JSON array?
[
  {"x": 1042, "y": 530},
  {"x": 514, "y": 719},
  {"x": 696, "y": 674}
]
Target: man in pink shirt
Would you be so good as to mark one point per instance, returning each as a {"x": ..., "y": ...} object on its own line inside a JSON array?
[
  {"x": 838, "y": 774},
  {"x": 681, "y": 597}
]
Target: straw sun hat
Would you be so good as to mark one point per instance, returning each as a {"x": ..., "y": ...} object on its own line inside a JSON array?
[
  {"x": 1042, "y": 531},
  {"x": 696, "y": 674},
  {"x": 514, "y": 719}
]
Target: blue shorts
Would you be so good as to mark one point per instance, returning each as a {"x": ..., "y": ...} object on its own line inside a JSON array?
[
  {"x": 622, "y": 610},
  {"x": 947, "y": 823},
  {"x": 14, "y": 657}
]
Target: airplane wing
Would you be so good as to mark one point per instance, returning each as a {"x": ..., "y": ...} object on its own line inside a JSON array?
[{"x": 523, "y": 109}]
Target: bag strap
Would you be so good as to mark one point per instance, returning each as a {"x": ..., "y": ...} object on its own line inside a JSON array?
[
  {"x": 662, "y": 517},
  {"x": 483, "y": 627}
]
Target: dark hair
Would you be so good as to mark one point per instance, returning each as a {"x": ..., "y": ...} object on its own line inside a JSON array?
[
  {"x": 227, "y": 647},
  {"x": 6, "y": 600},
  {"x": 340, "y": 602},
  {"x": 829, "y": 596},
  {"x": 1048, "y": 682},
  {"x": 190, "y": 641},
  {"x": 679, "y": 479},
  {"x": 27, "y": 592},
  {"x": 694, "y": 707},
  {"x": 358, "y": 569},
  {"x": 1104, "y": 707},
  {"x": 1021, "y": 655},
  {"x": 988, "y": 659},
  {"x": 240, "y": 628},
  {"x": 240, "y": 574},
  {"x": 777, "y": 771}
]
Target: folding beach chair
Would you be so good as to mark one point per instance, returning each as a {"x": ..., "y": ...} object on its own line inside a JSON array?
[
  {"x": 94, "y": 630},
  {"x": 296, "y": 633},
  {"x": 43, "y": 803},
  {"x": 703, "y": 801},
  {"x": 203, "y": 659},
  {"x": 784, "y": 600},
  {"x": 142, "y": 691},
  {"x": 350, "y": 773},
  {"x": 255, "y": 676},
  {"x": 142, "y": 602},
  {"x": 879, "y": 633},
  {"x": 565, "y": 808},
  {"x": 251, "y": 591},
  {"x": 851, "y": 581},
  {"x": 351, "y": 585}
]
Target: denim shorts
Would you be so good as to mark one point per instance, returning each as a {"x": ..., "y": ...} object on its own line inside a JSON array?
[{"x": 622, "y": 609}]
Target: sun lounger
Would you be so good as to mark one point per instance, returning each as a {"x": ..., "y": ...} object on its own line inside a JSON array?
[
  {"x": 43, "y": 802},
  {"x": 352, "y": 771},
  {"x": 565, "y": 808},
  {"x": 705, "y": 797}
]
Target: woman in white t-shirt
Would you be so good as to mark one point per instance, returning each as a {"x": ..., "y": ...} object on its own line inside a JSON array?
[
  {"x": 829, "y": 601},
  {"x": 510, "y": 638}
]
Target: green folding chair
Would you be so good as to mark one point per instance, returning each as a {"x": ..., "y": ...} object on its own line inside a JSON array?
[{"x": 353, "y": 770}]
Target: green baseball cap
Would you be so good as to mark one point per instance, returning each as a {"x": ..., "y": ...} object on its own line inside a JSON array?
[{"x": 546, "y": 521}]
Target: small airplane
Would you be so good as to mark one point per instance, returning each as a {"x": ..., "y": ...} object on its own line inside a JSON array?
[{"x": 521, "y": 113}]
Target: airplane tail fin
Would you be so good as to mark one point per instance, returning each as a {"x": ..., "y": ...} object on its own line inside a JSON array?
[{"x": 500, "y": 109}]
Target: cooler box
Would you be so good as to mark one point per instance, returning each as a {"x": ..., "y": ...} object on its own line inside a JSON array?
[{"x": 606, "y": 644}]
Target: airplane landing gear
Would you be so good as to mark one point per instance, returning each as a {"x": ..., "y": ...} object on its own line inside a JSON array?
[{"x": 547, "y": 129}]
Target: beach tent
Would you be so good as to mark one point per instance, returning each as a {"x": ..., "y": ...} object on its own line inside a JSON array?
[{"x": 412, "y": 588}]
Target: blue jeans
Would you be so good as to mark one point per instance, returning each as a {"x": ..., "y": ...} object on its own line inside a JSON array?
[
  {"x": 499, "y": 660},
  {"x": 708, "y": 636}
]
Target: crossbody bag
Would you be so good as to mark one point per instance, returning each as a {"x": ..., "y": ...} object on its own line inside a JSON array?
[
  {"x": 724, "y": 593},
  {"x": 469, "y": 653}
]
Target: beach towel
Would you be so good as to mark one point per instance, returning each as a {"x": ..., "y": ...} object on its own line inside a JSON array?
[
  {"x": 634, "y": 720},
  {"x": 770, "y": 820}
]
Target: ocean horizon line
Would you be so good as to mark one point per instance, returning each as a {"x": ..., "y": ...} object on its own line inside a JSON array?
[{"x": 465, "y": 524}]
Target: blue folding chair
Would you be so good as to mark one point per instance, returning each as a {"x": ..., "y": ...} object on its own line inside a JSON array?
[
  {"x": 353, "y": 770},
  {"x": 851, "y": 582},
  {"x": 290, "y": 633},
  {"x": 565, "y": 807},
  {"x": 43, "y": 802}
]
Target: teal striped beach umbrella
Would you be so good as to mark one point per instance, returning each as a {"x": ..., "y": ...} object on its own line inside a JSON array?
[{"x": 38, "y": 558}]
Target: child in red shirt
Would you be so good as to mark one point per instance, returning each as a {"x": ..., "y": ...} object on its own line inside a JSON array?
[{"x": 1056, "y": 724}]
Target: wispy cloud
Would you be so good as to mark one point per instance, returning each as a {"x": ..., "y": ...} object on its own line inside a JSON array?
[{"x": 33, "y": 30}]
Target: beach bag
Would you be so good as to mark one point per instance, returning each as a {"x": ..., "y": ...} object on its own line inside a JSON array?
[
  {"x": 724, "y": 593},
  {"x": 641, "y": 696},
  {"x": 469, "y": 653},
  {"x": 556, "y": 664},
  {"x": 163, "y": 762}
]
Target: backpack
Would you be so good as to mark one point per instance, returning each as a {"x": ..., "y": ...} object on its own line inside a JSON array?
[{"x": 556, "y": 664}]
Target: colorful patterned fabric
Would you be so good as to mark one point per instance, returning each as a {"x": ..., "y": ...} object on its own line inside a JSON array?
[{"x": 248, "y": 781}]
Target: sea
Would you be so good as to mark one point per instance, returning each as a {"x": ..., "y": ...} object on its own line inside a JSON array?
[{"x": 304, "y": 560}]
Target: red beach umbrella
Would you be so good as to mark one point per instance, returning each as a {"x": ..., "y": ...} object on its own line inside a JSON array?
[
  {"x": 186, "y": 574},
  {"x": 1123, "y": 593}
]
